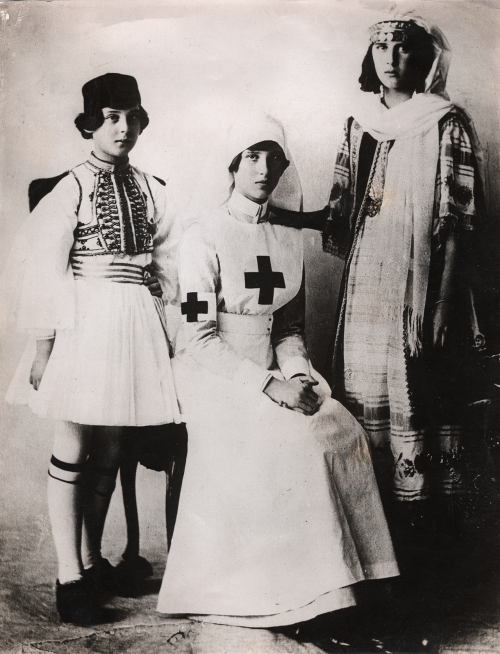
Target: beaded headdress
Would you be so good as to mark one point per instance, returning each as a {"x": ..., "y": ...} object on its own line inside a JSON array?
[
  {"x": 394, "y": 30},
  {"x": 411, "y": 27}
]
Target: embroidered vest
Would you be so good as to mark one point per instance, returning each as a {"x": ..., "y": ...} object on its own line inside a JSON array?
[{"x": 116, "y": 212}]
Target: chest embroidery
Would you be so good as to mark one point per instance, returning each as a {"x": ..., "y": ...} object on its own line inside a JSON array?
[
  {"x": 266, "y": 280},
  {"x": 375, "y": 187},
  {"x": 121, "y": 213}
]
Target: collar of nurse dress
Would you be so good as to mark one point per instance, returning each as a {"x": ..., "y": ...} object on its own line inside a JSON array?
[
  {"x": 95, "y": 164},
  {"x": 246, "y": 210}
]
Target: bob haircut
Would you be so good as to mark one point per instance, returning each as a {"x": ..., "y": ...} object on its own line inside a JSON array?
[
  {"x": 86, "y": 125},
  {"x": 235, "y": 163},
  {"x": 423, "y": 54}
]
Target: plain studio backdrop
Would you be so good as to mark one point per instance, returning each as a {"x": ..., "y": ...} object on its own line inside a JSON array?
[{"x": 196, "y": 62}]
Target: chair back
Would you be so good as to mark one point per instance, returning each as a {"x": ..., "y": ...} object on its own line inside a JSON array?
[{"x": 40, "y": 187}]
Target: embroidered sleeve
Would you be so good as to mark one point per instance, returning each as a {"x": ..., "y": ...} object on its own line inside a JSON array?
[
  {"x": 336, "y": 230},
  {"x": 455, "y": 206},
  {"x": 288, "y": 336},
  {"x": 199, "y": 277},
  {"x": 38, "y": 279},
  {"x": 167, "y": 235}
]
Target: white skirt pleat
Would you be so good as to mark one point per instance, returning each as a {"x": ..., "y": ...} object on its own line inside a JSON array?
[{"x": 112, "y": 369}]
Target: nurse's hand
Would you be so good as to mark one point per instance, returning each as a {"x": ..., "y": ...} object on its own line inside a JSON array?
[{"x": 295, "y": 394}]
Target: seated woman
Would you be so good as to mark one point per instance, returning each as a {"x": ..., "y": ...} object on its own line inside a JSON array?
[{"x": 279, "y": 514}]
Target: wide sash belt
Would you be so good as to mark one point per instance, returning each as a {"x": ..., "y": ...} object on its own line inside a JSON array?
[
  {"x": 92, "y": 267},
  {"x": 235, "y": 323}
]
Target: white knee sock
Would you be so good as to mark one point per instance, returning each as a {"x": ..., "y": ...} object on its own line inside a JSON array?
[{"x": 65, "y": 510}]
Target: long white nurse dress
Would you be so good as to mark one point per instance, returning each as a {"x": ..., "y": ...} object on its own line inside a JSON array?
[{"x": 279, "y": 513}]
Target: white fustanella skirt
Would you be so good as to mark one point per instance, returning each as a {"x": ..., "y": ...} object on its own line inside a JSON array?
[{"x": 112, "y": 369}]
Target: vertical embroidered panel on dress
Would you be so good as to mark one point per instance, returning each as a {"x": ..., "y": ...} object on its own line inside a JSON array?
[{"x": 121, "y": 212}]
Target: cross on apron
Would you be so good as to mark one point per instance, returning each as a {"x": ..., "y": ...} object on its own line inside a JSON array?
[
  {"x": 266, "y": 280},
  {"x": 192, "y": 307}
]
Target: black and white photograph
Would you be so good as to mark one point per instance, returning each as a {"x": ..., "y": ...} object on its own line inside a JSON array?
[{"x": 250, "y": 326}]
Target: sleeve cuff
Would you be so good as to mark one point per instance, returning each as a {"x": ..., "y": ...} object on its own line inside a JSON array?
[
  {"x": 44, "y": 334},
  {"x": 295, "y": 366},
  {"x": 251, "y": 376}
]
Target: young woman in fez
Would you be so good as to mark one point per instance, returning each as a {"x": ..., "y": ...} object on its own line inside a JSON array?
[
  {"x": 405, "y": 205},
  {"x": 279, "y": 515},
  {"x": 102, "y": 360}
]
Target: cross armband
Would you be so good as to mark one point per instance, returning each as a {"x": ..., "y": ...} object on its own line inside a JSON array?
[{"x": 198, "y": 307}]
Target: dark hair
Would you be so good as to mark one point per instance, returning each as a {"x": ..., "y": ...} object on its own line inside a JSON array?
[
  {"x": 87, "y": 124},
  {"x": 423, "y": 54},
  {"x": 235, "y": 163}
]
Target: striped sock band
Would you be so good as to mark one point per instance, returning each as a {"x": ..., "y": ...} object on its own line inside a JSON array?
[{"x": 69, "y": 473}]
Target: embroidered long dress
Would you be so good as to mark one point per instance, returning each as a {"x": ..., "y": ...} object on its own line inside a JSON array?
[
  {"x": 279, "y": 512},
  {"x": 415, "y": 405},
  {"x": 77, "y": 272}
]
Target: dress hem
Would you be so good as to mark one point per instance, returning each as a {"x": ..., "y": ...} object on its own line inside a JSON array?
[
  {"x": 340, "y": 598},
  {"x": 96, "y": 423},
  {"x": 333, "y": 600}
]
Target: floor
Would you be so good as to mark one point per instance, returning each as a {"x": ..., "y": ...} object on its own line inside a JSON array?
[{"x": 451, "y": 605}]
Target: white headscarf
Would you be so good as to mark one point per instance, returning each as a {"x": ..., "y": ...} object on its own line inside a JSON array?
[
  {"x": 417, "y": 115},
  {"x": 421, "y": 112},
  {"x": 435, "y": 82},
  {"x": 217, "y": 183}
]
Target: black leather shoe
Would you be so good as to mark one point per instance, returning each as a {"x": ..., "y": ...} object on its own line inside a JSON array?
[
  {"x": 129, "y": 576},
  {"x": 138, "y": 567},
  {"x": 105, "y": 579},
  {"x": 100, "y": 578},
  {"x": 76, "y": 604}
]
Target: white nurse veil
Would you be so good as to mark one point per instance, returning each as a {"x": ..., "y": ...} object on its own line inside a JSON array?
[
  {"x": 216, "y": 182},
  {"x": 255, "y": 127}
]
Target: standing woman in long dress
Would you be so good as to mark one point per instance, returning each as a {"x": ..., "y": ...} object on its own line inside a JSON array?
[
  {"x": 279, "y": 514},
  {"x": 405, "y": 208}
]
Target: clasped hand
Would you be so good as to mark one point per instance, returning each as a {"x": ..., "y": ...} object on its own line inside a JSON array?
[
  {"x": 295, "y": 394},
  {"x": 152, "y": 283}
]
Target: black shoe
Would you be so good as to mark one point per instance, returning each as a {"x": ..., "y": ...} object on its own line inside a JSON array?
[
  {"x": 129, "y": 576},
  {"x": 105, "y": 579},
  {"x": 76, "y": 604},
  {"x": 100, "y": 578},
  {"x": 138, "y": 567}
]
